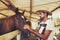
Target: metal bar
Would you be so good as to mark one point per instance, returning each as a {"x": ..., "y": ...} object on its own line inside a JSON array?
[
  {"x": 43, "y": 4},
  {"x": 4, "y": 14},
  {"x": 30, "y": 8},
  {"x": 11, "y": 6},
  {"x": 55, "y": 9},
  {"x": 32, "y": 17},
  {"x": 4, "y": 3},
  {"x": 4, "y": 9}
]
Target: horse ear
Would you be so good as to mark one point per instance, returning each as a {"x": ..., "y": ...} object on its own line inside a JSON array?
[
  {"x": 17, "y": 11},
  {"x": 23, "y": 12}
]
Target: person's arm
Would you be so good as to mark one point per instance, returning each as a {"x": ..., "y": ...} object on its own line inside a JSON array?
[
  {"x": 37, "y": 29},
  {"x": 43, "y": 36}
]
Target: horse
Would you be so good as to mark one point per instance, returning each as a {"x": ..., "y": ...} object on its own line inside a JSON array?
[{"x": 15, "y": 22}]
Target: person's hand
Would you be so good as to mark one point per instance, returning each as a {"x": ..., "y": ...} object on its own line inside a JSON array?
[{"x": 26, "y": 27}]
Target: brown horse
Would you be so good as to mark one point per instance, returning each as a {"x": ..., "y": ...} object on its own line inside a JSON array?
[{"x": 12, "y": 23}]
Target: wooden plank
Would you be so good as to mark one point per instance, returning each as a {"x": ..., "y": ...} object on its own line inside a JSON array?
[{"x": 9, "y": 36}]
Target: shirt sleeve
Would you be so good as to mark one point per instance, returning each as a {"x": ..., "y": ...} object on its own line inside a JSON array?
[{"x": 50, "y": 25}]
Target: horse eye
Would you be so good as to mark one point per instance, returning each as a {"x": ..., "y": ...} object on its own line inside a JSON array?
[{"x": 22, "y": 17}]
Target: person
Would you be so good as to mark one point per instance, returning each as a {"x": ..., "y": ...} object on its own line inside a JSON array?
[{"x": 46, "y": 26}]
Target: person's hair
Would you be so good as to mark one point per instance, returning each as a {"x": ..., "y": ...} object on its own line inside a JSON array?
[{"x": 44, "y": 11}]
